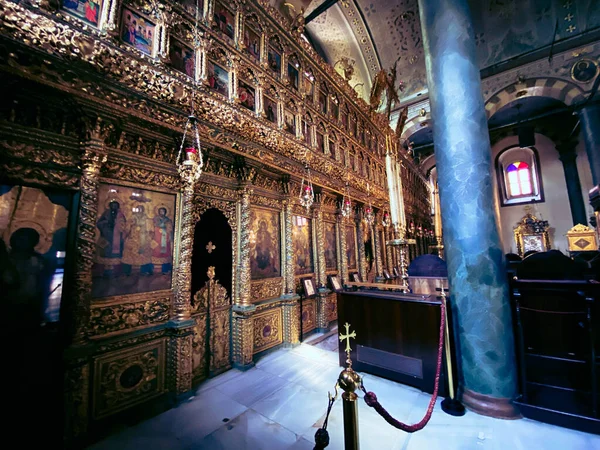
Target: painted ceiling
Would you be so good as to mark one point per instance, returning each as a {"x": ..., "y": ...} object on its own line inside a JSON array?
[{"x": 376, "y": 33}]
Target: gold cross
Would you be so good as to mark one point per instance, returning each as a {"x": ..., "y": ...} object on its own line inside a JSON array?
[
  {"x": 347, "y": 337},
  {"x": 210, "y": 247}
]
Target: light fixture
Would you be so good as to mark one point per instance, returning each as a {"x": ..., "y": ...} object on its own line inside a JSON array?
[
  {"x": 346, "y": 209},
  {"x": 385, "y": 219},
  {"x": 369, "y": 215},
  {"x": 307, "y": 193},
  {"x": 190, "y": 154}
]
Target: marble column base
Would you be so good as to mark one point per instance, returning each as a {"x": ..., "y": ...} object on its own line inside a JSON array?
[
  {"x": 243, "y": 367},
  {"x": 498, "y": 408}
]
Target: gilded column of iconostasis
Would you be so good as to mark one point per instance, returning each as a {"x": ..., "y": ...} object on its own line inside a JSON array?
[{"x": 177, "y": 279}]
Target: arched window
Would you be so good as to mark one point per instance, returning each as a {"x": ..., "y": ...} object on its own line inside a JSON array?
[{"x": 518, "y": 176}]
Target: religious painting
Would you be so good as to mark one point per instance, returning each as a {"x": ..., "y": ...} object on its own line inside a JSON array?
[
  {"x": 224, "y": 20},
  {"x": 134, "y": 241},
  {"x": 303, "y": 251},
  {"x": 274, "y": 60},
  {"x": 330, "y": 246},
  {"x": 335, "y": 109},
  {"x": 33, "y": 246},
  {"x": 182, "y": 57},
  {"x": 289, "y": 121},
  {"x": 307, "y": 129},
  {"x": 323, "y": 102},
  {"x": 270, "y": 109},
  {"x": 87, "y": 10},
  {"x": 308, "y": 286},
  {"x": 345, "y": 119},
  {"x": 351, "y": 247},
  {"x": 265, "y": 253},
  {"x": 335, "y": 283},
  {"x": 293, "y": 76},
  {"x": 191, "y": 5},
  {"x": 247, "y": 96},
  {"x": 309, "y": 84},
  {"x": 252, "y": 43},
  {"x": 218, "y": 79},
  {"x": 137, "y": 31},
  {"x": 320, "y": 142}
]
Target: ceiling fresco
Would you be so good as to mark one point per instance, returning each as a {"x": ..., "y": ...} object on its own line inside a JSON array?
[{"x": 386, "y": 31}]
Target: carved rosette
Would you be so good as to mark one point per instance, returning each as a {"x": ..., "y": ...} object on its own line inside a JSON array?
[
  {"x": 290, "y": 282},
  {"x": 244, "y": 271},
  {"x": 343, "y": 246},
  {"x": 242, "y": 328},
  {"x": 362, "y": 257},
  {"x": 182, "y": 303},
  {"x": 91, "y": 164},
  {"x": 376, "y": 234},
  {"x": 180, "y": 360}
]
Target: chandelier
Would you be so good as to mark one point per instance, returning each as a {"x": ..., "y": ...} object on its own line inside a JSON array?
[
  {"x": 346, "y": 209},
  {"x": 189, "y": 159},
  {"x": 307, "y": 193},
  {"x": 369, "y": 215},
  {"x": 385, "y": 220},
  {"x": 190, "y": 154}
]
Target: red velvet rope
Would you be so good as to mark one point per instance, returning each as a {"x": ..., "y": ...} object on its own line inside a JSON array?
[{"x": 371, "y": 398}]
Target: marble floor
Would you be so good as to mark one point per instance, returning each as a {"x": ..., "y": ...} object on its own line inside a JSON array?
[{"x": 280, "y": 403}]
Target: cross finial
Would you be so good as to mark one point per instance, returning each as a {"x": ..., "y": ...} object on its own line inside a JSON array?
[
  {"x": 210, "y": 247},
  {"x": 347, "y": 337}
]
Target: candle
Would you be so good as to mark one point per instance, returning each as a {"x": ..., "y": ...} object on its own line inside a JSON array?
[{"x": 438, "y": 213}]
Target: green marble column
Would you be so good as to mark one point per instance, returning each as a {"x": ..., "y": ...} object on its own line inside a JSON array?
[{"x": 476, "y": 267}]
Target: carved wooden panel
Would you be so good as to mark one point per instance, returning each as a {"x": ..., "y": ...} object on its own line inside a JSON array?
[
  {"x": 199, "y": 355},
  {"x": 128, "y": 377},
  {"x": 309, "y": 315},
  {"x": 331, "y": 307},
  {"x": 267, "y": 330}
]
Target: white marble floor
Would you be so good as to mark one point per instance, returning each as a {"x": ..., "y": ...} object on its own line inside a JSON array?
[{"x": 280, "y": 403}]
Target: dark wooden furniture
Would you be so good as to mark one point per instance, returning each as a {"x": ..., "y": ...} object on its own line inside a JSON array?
[
  {"x": 397, "y": 336},
  {"x": 557, "y": 339}
]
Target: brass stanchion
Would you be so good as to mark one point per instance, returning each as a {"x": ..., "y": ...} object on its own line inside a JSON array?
[
  {"x": 450, "y": 405},
  {"x": 349, "y": 381}
]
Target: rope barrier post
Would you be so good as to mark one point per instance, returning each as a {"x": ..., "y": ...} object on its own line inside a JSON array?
[
  {"x": 349, "y": 381},
  {"x": 450, "y": 405}
]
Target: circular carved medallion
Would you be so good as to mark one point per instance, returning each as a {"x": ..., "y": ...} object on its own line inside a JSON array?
[
  {"x": 267, "y": 331},
  {"x": 584, "y": 70},
  {"x": 131, "y": 377}
]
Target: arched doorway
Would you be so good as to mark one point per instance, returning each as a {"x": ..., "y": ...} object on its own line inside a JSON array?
[
  {"x": 212, "y": 247},
  {"x": 211, "y": 311}
]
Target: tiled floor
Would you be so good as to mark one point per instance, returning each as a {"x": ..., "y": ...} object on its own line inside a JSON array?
[{"x": 280, "y": 403}]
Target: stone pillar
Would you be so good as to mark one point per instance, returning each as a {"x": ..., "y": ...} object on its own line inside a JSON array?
[
  {"x": 474, "y": 254},
  {"x": 242, "y": 327},
  {"x": 375, "y": 233},
  {"x": 590, "y": 129},
  {"x": 242, "y": 336},
  {"x": 320, "y": 256},
  {"x": 181, "y": 325},
  {"x": 343, "y": 246},
  {"x": 568, "y": 155},
  {"x": 244, "y": 257},
  {"x": 389, "y": 250},
  {"x": 362, "y": 256},
  {"x": 91, "y": 163},
  {"x": 288, "y": 263}
]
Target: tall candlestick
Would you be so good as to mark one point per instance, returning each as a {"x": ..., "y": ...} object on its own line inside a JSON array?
[{"x": 437, "y": 213}]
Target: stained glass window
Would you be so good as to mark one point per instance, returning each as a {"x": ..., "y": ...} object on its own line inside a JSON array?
[{"x": 519, "y": 179}]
